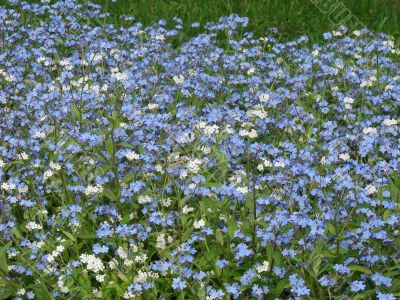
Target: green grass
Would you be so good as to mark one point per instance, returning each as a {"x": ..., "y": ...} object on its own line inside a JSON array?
[{"x": 291, "y": 17}]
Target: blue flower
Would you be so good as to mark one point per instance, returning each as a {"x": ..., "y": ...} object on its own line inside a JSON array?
[{"x": 178, "y": 284}]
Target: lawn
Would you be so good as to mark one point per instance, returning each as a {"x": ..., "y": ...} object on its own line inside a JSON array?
[{"x": 291, "y": 17}]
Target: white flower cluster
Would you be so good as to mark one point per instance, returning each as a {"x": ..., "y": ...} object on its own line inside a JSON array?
[
  {"x": 178, "y": 79},
  {"x": 143, "y": 199},
  {"x": 370, "y": 189},
  {"x": 264, "y": 164},
  {"x": 344, "y": 156},
  {"x": 193, "y": 165},
  {"x": 348, "y": 102},
  {"x": 252, "y": 133},
  {"x": 187, "y": 209},
  {"x": 92, "y": 262},
  {"x": 263, "y": 268},
  {"x": 370, "y": 130},
  {"x": 55, "y": 253},
  {"x": 8, "y": 186},
  {"x": 132, "y": 155},
  {"x": 93, "y": 189},
  {"x": 166, "y": 202},
  {"x": 390, "y": 122},
  {"x": 61, "y": 285},
  {"x": 120, "y": 76},
  {"x": 257, "y": 111},
  {"x": 161, "y": 244},
  {"x": 23, "y": 156},
  {"x": 199, "y": 224},
  {"x": 33, "y": 226},
  {"x": 47, "y": 174}
]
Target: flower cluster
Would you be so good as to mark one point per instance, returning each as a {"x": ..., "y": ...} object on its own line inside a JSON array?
[{"x": 227, "y": 167}]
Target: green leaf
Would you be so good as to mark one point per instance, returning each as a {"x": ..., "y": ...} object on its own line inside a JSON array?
[
  {"x": 108, "y": 194},
  {"x": 364, "y": 295},
  {"x": 75, "y": 111},
  {"x": 331, "y": 228},
  {"x": 69, "y": 235},
  {"x": 222, "y": 160},
  {"x": 231, "y": 228},
  {"x": 128, "y": 178},
  {"x": 3, "y": 257},
  {"x": 360, "y": 269},
  {"x": 281, "y": 286},
  {"x": 219, "y": 237},
  {"x": 123, "y": 277},
  {"x": 110, "y": 147},
  {"x": 5, "y": 290},
  {"x": 386, "y": 214},
  {"x": 201, "y": 293}
]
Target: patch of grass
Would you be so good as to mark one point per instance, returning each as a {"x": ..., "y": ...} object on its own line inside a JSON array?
[{"x": 291, "y": 17}]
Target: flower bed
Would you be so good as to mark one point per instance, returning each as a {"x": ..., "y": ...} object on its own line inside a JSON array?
[{"x": 230, "y": 167}]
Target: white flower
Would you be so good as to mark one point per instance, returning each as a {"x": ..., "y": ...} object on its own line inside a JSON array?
[
  {"x": 178, "y": 79},
  {"x": 39, "y": 134},
  {"x": 23, "y": 156},
  {"x": 55, "y": 166},
  {"x": 33, "y": 226},
  {"x": 252, "y": 133},
  {"x": 279, "y": 164},
  {"x": 199, "y": 224},
  {"x": 370, "y": 130},
  {"x": 210, "y": 130},
  {"x": 93, "y": 189},
  {"x": 260, "y": 167},
  {"x": 251, "y": 71},
  {"x": 348, "y": 100},
  {"x": 194, "y": 165},
  {"x": 263, "y": 97},
  {"x": 97, "y": 292},
  {"x": 159, "y": 168},
  {"x": 61, "y": 285},
  {"x": 344, "y": 156},
  {"x": 120, "y": 76},
  {"x": 152, "y": 106},
  {"x": 92, "y": 262},
  {"x": 243, "y": 190},
  {"x": 2, "y": 163},
  {"x": 370, "y": 189},
  {"x": 141, "y": 258},
  {"x": 47, "y": 174},
  {"x": 8, "y": 186},
  {"x": 161, "y": 241},
  {"x": 100, "y": 278},
  {"x": 389, "y": 122},
  {"x": 206, "y": 150},
  {"x": 186, "y": 209},
  {"x": 144, "y": 199},
  {"x": 257, "y": 111},
  {"x": 166, "y": 202},
  {"x": 183, "y": 175},
  {"x": 267, "y": 163},
  {"x": 389, "y": 87},
  {"x": 21, "y": 292},
  {"x": 263, "y": 268},
  {"x": 131, "y": 155},
  {"x": 366, "y": 83}
]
